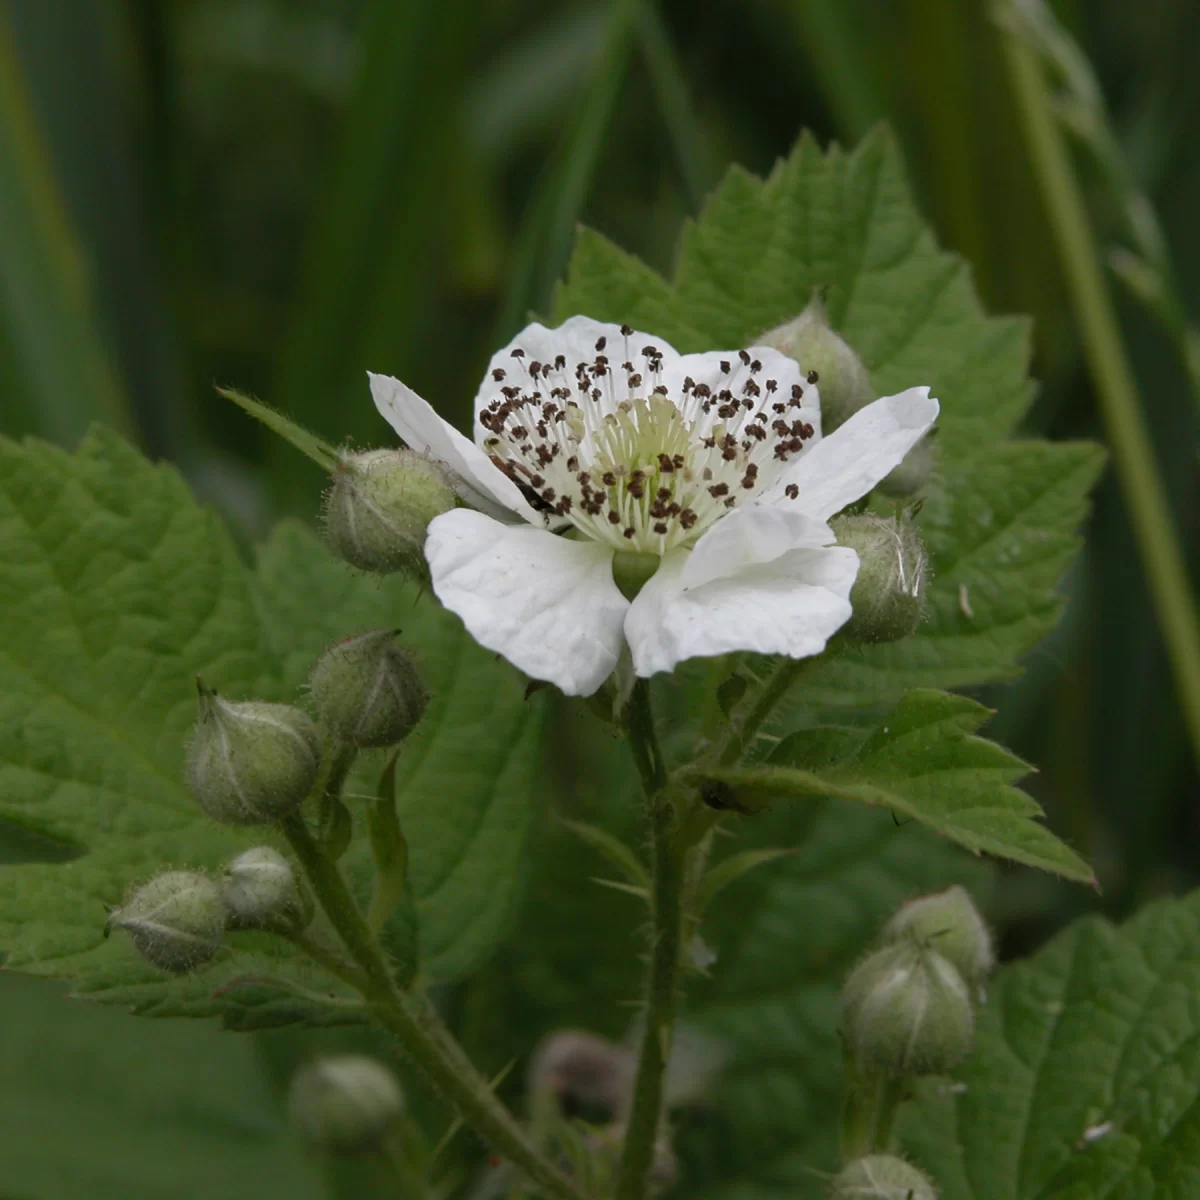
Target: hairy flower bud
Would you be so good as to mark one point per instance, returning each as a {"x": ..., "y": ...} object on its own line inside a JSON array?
[
  {"x": 906, "y": 1011},
  {"x": 344, "y": 1105},
  {"x": 379, "y": 507},
  {"x": 889, "y": 591},
  {"x": 176, "y": 920},
  {"x": 367, "y": 690},
  {"x": 949, "y": 923},
  {"x": 845, "y": 384},
  {"x": 882, "y": 1177},
  {"x": 261, "y": 892},
  {"x": 912, "y": 473},
  {"x": 251, "y": 763}
]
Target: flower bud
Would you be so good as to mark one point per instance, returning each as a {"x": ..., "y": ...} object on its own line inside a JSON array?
[
  {"x": 949, "y": 923},
  {"x": 251, "y": 763},
  {"x": 344, "y": 1105},
  {"x": 913, "y": 472},
  {"x": 176, "y": 920},
  {"x": 906, "y": 1011},
  {"x": 845, "y": 383},
  {"x": 889, "y": 591},
  {"x": 882, "y": 1177},
  {"x": 379, "y": 507},
  {"x": 367, "y": 690},
  {"x": 261, "y": 892}
]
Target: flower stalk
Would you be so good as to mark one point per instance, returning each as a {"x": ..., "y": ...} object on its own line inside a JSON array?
[
  {"x": 669, "y": 877},
  {"x": 414, "y": 1025}
]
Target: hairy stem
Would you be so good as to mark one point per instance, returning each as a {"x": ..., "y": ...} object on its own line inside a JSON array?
[
  {"x": 414, "y": 1024},
  {"x": 868, "y": 1113},
  {"x": 1120, "y": 408},
  {"x": 669, "y": 877}
]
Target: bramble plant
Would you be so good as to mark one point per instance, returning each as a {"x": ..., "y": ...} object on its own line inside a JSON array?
[{"x": 757, "y": 544}]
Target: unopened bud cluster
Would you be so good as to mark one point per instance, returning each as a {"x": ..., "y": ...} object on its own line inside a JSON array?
[
  {"x": 379, "y": 506},
  {"x": 177, "y": 920},
  {"x": 907, "y": 1008},
  {"x": 889, "y": 592},
  {"x": 253, "y": 763}
]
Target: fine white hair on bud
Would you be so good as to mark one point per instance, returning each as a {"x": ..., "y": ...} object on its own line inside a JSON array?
[
  {"x": 882, "y": 1177},
  {"x": 907, "y": 1011},
  {"x": 889, "y": 592},
  {"x": 176, "y": 920},
  {"x": 378, "y": 508},
  {"x": 251, "y": 763},
  {"x": 261, "y": 892},
  {"x": 845, "y": 380},
  {"x": 367, "y": 690},
  {"x": 345, "y": 1104},
  {"x": 949, "y": 923}
]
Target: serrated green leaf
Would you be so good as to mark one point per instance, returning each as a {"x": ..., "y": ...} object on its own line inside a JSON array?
[
  {"x": 999, "y": 517},
  {"x": 1084, "y": 1083},
  {"x": 923, "y": 763},
  {"x": 116, "y": 590}
]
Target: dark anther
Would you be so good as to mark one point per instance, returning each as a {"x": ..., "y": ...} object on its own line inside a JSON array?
[
  {"x": 755, "y": 367},
  {"x": 614, "y": 518},
  {"x": 518, "y": 353},
  {"x": 792, "y": 491},
  {"x": 725, "y": 367},
  {"x": 601, "y": 343},
  {"x": 660, "y": 527},
  {"x": 812, "y": 377},
  {"x": 744, "y": 357},
  {"x": 626, "y": 330},
  {"x": 498, "y": 374}
]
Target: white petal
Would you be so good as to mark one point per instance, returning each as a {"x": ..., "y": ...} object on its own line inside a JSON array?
[
  {"x": 477, "y": 479},
  {"x": 791, "y": 606},
  {"x": 749, "y": 536},
  {"x": 548, "y": 604},
  {"x": 847, "y": 464},
  {"x": 575, "y": 339}
]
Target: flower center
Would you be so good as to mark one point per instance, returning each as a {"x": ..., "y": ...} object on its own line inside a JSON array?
[{"x": 633, "y": 456}]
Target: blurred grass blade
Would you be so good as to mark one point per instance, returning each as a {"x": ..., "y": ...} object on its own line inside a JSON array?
[
  {"x": 377, "y": 243},
  {"x": 1146, "y": 271},
  {"x": 670, "y": 87},
  {"x": 1116, "y": 390},
  {"x": 57, "y": 378},
  {"x": 545, "y": 239}
]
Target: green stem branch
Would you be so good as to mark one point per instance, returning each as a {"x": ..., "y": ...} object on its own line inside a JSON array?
[
  {"x": 1128, "y": 438},
  {"x": 415, "y": 1026},
  {"x": 669, "y": 877}
]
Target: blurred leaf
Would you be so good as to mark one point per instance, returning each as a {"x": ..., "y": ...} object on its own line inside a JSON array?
[
  {"x": 1085, "y": 1079},
  {"x": 96, "y": 1104},
  {"x": 1000, "y": 520},
  {"x": 922, "y": 762},
  {"x": 56, "y": 377},
  {"x": 116, "y": 590}
]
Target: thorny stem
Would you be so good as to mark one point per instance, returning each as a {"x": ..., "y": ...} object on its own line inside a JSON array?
[
  {"x": 1116, "y": 390},
  {"x": 415, "y": 1026},
  {"x": 667, "y": 903}
]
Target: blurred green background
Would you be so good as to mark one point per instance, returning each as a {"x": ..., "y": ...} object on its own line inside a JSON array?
[{"x": 281, "y": 194}]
